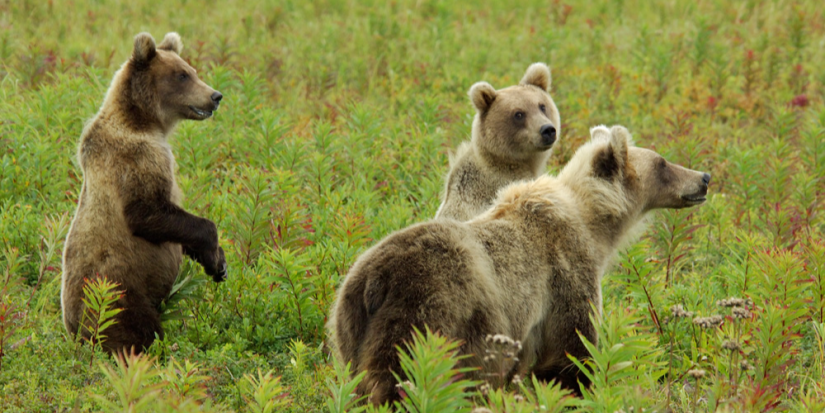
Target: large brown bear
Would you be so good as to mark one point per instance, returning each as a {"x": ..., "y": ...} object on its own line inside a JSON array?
[
  {"x": 513, "y": 133},
  {"x": 529, "y": 267},
  {"x": 129, "y": 226}
]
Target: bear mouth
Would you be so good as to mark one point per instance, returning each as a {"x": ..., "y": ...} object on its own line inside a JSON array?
[
  {"x": 200, "y": 113},
  {"x": 694, "y": 199}
]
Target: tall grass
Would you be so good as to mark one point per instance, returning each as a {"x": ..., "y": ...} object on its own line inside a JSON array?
[{"x": 334, "y": 131}]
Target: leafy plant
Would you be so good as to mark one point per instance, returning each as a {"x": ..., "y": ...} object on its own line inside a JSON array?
[
  {"x": 264, "y": 393},
  {"x": 99, "y": 297},
  {"x": 434, "y": 382},
  {"x": 131, "y": 381}
]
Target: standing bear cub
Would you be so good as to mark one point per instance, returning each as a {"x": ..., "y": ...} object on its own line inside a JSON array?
[
  {"x": 513, "y": 133},
  {"x": 529, "y": 267},
  {"x": 129, "y": 226}
]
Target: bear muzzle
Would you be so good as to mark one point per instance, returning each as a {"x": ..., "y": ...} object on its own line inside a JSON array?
[
  {"x": 203, "y": 113},
  {"x": 200, "y": 113},
  {"x": 699, "y": 196},
  {"x": 548, "y": 135}
]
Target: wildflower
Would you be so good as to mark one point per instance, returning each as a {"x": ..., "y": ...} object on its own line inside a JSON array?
[
  {"x": 745, "y": 365},
  {"x": 481, "y": 410},
  {"x": 516, "y": 379},
  {"x": 518, "y": 398},
  {"x": 696, "y": 373},
  {"x": 731, "y": 345},
  {"x": 677, "y": 311},
  {"x": 741, "y": 312},
  {"x": 708, "y": 322},
  {"x": 484, "y": 389}
]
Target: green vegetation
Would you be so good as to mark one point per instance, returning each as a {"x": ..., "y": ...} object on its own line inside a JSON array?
[{"x": 334, "y": 131}]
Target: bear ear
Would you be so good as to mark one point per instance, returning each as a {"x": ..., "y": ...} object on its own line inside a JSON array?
[
  {"x": 620, "y": 132},
  {"x": 611, "y": 161},
  {"x": 482, "y": 94},
  {"x": 144, "y": 48},
  {"x": 599, "y": 133},
  {"x": 538, "y": 74},
  {"x": 172, "y": 43}
]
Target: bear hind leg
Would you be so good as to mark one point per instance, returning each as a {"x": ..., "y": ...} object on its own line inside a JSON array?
[
  {"x": 568, "y": 376},
  {"x": 135, "y": 329}
]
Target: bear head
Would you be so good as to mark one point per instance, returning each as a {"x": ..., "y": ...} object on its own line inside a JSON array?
[
  {"x": 161, "y": 88},
  {"x": 634, "y": 178},
  {"x": 517, "y": 123}
]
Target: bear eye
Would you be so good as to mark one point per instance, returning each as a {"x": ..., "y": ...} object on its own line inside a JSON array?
[
  {"x": 519, "y": 115},
  {"x": 183, "y": 76},
  {"x": 543, "y": 108}
]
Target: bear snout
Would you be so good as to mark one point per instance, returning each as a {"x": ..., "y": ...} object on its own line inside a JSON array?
[
  {"x": 216, "y": 98},
  {"x": 548, "y": 135},
  {"x": 703, "y": 188}
]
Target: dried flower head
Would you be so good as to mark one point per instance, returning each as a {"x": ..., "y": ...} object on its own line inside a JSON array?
[
  {"x": 741, "y": 312},
  {"x": 731, "y": 345},
  {"x": 708, "y": 322},
  {"x": 503, "y": 340},
  {"x": 481, "y": 410},
  {"x": 484, "y": 389},
  {"x": 499, "y": 339},
  {"x": 696, "y": 373},
  {"x": 518, "y": 398},
  {"x": 516, "y": 379},
  {"x": 731, "y": 302},
  {"x": 677, "y": 311},
  {"x": 734, "y": 302},
  {"x": 745, "y": 365}
]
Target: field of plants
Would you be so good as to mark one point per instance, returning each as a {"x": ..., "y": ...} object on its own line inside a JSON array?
[{"x": 335, "y": 130}]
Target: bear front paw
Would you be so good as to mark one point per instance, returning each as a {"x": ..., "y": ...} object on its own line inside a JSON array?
[
  {"x": 220, "y": 274},
  {"x": 216, "y": 267},
  {"x": 213, "y": 262}
]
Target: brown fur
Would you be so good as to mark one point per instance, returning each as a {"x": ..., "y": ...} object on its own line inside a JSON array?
[
  {"x": 503, "y": 149},
  {"x": 529, "y": 267},
  {"x": 129, "y": 225}
]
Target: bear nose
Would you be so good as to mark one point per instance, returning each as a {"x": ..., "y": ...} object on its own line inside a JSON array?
[
  {"x": 216, "y": 97},
  {"x": 548, "y": 134},
  {"x": 706, "y": 178}
]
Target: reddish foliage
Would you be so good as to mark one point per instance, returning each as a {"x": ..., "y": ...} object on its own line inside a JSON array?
[{"x": 800, "y": 101}]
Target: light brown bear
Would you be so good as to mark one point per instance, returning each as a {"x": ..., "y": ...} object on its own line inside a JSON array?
[
  {"x": 529, "y": 267},
  {"x": 513, "y": 133},
  {"x": 129, "y": 225}
]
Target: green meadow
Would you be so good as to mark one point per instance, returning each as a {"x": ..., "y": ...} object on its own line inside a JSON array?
[{"x": 335, "y": 128}]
